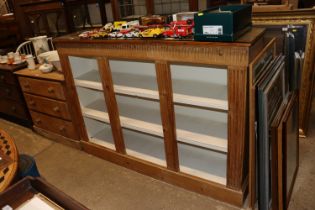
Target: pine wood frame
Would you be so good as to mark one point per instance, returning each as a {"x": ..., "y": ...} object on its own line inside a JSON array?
[
  {"x": 298, "y": 17},
  {"x": 233, "y": 56}
]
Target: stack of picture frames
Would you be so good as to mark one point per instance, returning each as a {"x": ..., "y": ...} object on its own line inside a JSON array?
[{"x": 271, "y": 180}]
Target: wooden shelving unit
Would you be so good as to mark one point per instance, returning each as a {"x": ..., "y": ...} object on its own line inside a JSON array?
[{"x": 175, "y": 110}]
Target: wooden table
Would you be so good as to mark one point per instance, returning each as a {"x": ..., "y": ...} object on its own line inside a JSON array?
[
  {"x": 9, "y": 160},
  {"x": 24, "y": 190}
]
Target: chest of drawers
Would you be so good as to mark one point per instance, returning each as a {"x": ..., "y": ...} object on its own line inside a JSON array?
[
  {"x": 12, "y": 104},
  {"x": 46, "y": 100}
]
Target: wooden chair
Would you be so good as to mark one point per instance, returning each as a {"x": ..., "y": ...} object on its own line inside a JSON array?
[{"x": 28, "y": 48}]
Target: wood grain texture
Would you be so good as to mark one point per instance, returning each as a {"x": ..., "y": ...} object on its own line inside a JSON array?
[
  {"x": 237, "y": 124},
  {"x": 72, "y": 98},
  {"x": 58, "y": 126},
  {"x": 48, "y": 106},
  {"x": 54, "y": 75},
  {"x": 111, "y": 105},
  {"x": 9, "y": 161},
  {"x": 163, "y": 74},
  {"x": 217, "y": 191},
  {"x": 48, "y": 89},
  {"x": 58, "y": 138}
]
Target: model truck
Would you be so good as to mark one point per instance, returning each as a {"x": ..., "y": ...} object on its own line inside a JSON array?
[{"x": 178, "y": 29}]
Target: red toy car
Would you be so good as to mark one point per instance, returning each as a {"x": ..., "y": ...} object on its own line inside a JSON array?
[{"x": 180, "y": 29}]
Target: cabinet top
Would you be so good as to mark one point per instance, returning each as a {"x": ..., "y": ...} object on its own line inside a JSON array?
[
  {"x": 244, "y": 41},
  {"x": 54, "y": 75},
  {"x": 8, "y": 67}
]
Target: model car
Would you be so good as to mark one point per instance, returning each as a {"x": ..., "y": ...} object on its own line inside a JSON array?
[
  {"x": 152, "y": 32},
  {"x": 115, "y": 34},
  {"x": 132, "y": 34},
  {"x": 109, "y": 27}
]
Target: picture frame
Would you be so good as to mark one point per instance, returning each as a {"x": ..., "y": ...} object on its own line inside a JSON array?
[
  {"x": 285, "y": 153},
  {"x": 305, "y": 18}
]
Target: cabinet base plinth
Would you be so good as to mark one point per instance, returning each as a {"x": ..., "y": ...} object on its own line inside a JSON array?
[
  {"x": 195, "y": 184},
  {"x": 58, "y": 138}
]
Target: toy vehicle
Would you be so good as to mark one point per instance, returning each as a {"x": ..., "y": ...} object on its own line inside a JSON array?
[
  {"x": 152, "y": 32},
  {"x": 118, "y": 25},
  {"x": 179, "y": 29},
  {"x": 132, "y": 34},
  {"x": 115, "y": 34},
  {"x": 109, "y": 27},
  {"x": 152, "y": 20},
  {"x": 129, "y": 26}
]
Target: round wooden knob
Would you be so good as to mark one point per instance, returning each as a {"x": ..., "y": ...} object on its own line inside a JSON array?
[
  {"x": 38, "y": 121},
  {"x": 1, "y": 77},
  {"x": 62, "y": 128},
  {"x": 27, "y": 85},
  {"x": 50, "y": 90},
  {"x": 32, "y": 102},
  {"x": 13, "y": 108},
  {"x": 8, "y": 91},
  {"x": 56, "y": 109}
]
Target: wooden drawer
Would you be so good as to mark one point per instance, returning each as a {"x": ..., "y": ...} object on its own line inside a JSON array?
[
  {"x": 7, "y": 77},
  {"x": 42, "y": 87},
  {"x": 48, "y": 106},
  {"x": 13, "y": 108},
  {"x": 11, "y": 92},
  {"x": 55, "y": 125}
]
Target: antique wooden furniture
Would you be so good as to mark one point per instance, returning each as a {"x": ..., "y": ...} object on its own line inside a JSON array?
[
  {"x": 174, "y": 110},
  {"x": 54, "y": 17},
  {"x": 8, "y": 160},
  {"x": 27, "y": 188},
  {"x": 12, "y": 104},
  {"x": 49, "y": 106},
  {"x": 9, "y": 32},
  {"x": 274, "y": 22}
]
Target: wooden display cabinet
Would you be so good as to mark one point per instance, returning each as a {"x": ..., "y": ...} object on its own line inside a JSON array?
[{"x": 174, "y": 110}]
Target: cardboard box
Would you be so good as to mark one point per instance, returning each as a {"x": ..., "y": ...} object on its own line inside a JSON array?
[{"x": 223, "y": 23}]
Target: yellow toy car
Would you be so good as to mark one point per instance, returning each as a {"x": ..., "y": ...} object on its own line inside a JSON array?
[{"x": 152, "y": 32}]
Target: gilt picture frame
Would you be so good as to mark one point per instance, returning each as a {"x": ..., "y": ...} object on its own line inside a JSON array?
[{"x": 305, "y": 18}]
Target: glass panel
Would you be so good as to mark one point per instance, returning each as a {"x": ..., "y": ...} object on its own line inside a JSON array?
[
  {"x": 170, "y": 6},
  {"x": 202, "y": 163},
  {"x": 145, "y": 147},
  {"x": 99, "y": 133},
  {"x": 95, "y": 14},
  {"x": 84, "y": 68},
  {"x": 134, "y": 74}
]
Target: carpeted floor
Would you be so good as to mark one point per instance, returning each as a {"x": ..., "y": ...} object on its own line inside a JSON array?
[{"x": 99, "y": 184}]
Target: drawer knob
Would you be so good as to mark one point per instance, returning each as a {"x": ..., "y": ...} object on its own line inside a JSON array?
[
  {"x": 50, "y": 90},
  {"x": 2, "y": 77},
  {"x": 27, "y": 85},
  {"x": 62, "y": 128},
  {"x": 32, "y": 102},
  {"x": 38, "y": 121},
  {"x": 13, "y": 108},
  {"x": 8, "y": 91},
  {"x": 56, "y": 109}
]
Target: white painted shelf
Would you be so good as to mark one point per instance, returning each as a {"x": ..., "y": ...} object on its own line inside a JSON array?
[
  {"x": 142, "y": 146},
  {"x": 99, "y": 133},
  {"x": 202, "y": 163},
  {"x": 195, "y": 93},
  {"x": 140, "y": 116}
]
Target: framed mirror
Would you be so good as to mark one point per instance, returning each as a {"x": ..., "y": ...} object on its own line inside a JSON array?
[{"x": 304, "y": 19}]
